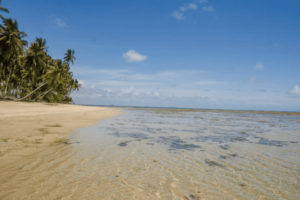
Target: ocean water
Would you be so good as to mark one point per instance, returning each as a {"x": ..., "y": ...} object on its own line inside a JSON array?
[{"x": 167, "y": 154}]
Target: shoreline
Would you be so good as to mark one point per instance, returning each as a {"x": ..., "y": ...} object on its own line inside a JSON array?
[
  {"x": 178, "y": 109},
  {"x": 29, "y": 128}
]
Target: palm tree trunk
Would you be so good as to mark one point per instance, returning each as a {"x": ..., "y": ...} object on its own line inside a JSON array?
[
  {"x": 45, "y": 93},
  {"x": 1, "y": 66},
  {"x": 38, "y": 96},
  {"x": 62, "y": 99},
  {"x": 5, "y": 91},
  {"x": 33, "y": 91},
  {"x": 42, "y": 94}
]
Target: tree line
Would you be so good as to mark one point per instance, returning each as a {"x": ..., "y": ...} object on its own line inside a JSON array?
[{"x": 27, "y": 72}]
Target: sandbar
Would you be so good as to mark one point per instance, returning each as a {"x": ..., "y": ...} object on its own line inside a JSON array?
[{"x": 29, "y": 128}]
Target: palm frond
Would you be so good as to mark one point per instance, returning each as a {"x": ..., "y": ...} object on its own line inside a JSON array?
[{"x": 4, "y": 9}]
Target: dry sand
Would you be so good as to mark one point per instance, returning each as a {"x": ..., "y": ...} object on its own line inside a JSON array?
[{"x": 28, "y": 128}]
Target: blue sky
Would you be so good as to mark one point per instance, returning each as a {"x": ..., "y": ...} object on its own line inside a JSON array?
[{"x": 233, "y": 54}]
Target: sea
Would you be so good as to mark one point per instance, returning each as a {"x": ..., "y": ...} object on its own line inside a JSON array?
[{"x": 167, "y": 153}]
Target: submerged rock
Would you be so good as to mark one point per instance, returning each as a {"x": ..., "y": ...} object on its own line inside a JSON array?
[
  {"x": 265, "y": 141},
  {"x": 213, "y": 163},
  {"x": 220, "y": 139},
  {"x": 176, "y": 143},
  {"x": 123, "y": 144},
  {"x": 225, "y": 147}
]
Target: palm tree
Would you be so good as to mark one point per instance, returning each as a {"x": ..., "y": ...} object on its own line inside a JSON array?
[
  {"x": 11, "y": 46},
  {"x": 58, "y": 79},
  {"x": 11, "y": 39},
  {"x": 36, "y": 65},
  {"x": 69, "y": 56},
  {"x": 41, "y": 43},
  {"x": 35, "y": 59},
  {"x": 50, "y": 78},
  {"x": 3, "y": 9},
  {"x": 29, "y": 72}
]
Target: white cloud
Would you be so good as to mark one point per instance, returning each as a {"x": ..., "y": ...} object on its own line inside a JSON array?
[
  {"x": 156, "y": 94},
  {"x": 81, "y": 82},
  {"x": 252, "y": 79},
  {"x": 129, "y": 90},
  {"x": 178, "y": 15},
  {"x": 259, "y": 66},
  {"x": 295, "y": 90},
  {"x": 129, "y": 97},
  {"x": 190, "y": 6},
  {"x": 150, "y": 97},
  {"x": 60, "y": 22},
  {"x": 143, "y": 89},
  {"x": 207, "y": 8},
  {"x": 133, "y": 56}
]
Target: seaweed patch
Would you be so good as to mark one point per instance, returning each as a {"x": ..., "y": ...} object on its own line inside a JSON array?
[{"x": 176, "y": 143}]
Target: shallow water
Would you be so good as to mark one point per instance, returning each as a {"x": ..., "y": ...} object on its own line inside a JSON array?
[{"x": 164, "y": 154}]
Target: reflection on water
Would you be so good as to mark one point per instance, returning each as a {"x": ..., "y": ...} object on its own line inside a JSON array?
[{"x": 167, "y": 154}]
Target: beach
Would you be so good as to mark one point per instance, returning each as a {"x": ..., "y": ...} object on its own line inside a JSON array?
[
  {"x": 29, "y": 128},
  {"x": 147, "y": 153}
]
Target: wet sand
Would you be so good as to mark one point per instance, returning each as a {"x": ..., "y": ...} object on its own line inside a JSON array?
[
  {"x": 166, "y": 154},
  {"x": 28, "y": 128}
]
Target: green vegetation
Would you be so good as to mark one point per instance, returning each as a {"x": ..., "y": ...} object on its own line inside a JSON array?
[{"x": 28, "y": 72}]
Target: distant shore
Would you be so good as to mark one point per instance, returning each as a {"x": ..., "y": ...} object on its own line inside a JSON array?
[
  {"x": 28, "y": 128},
  {"x": 162, "y": 109},
  {"x": 179, "y": 109}
]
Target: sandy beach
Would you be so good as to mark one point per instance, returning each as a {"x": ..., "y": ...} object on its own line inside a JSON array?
[{"x": 29, "y": 128}]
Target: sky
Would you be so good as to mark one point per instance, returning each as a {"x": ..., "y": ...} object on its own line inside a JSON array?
[{"x": 215, "y": 54}]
